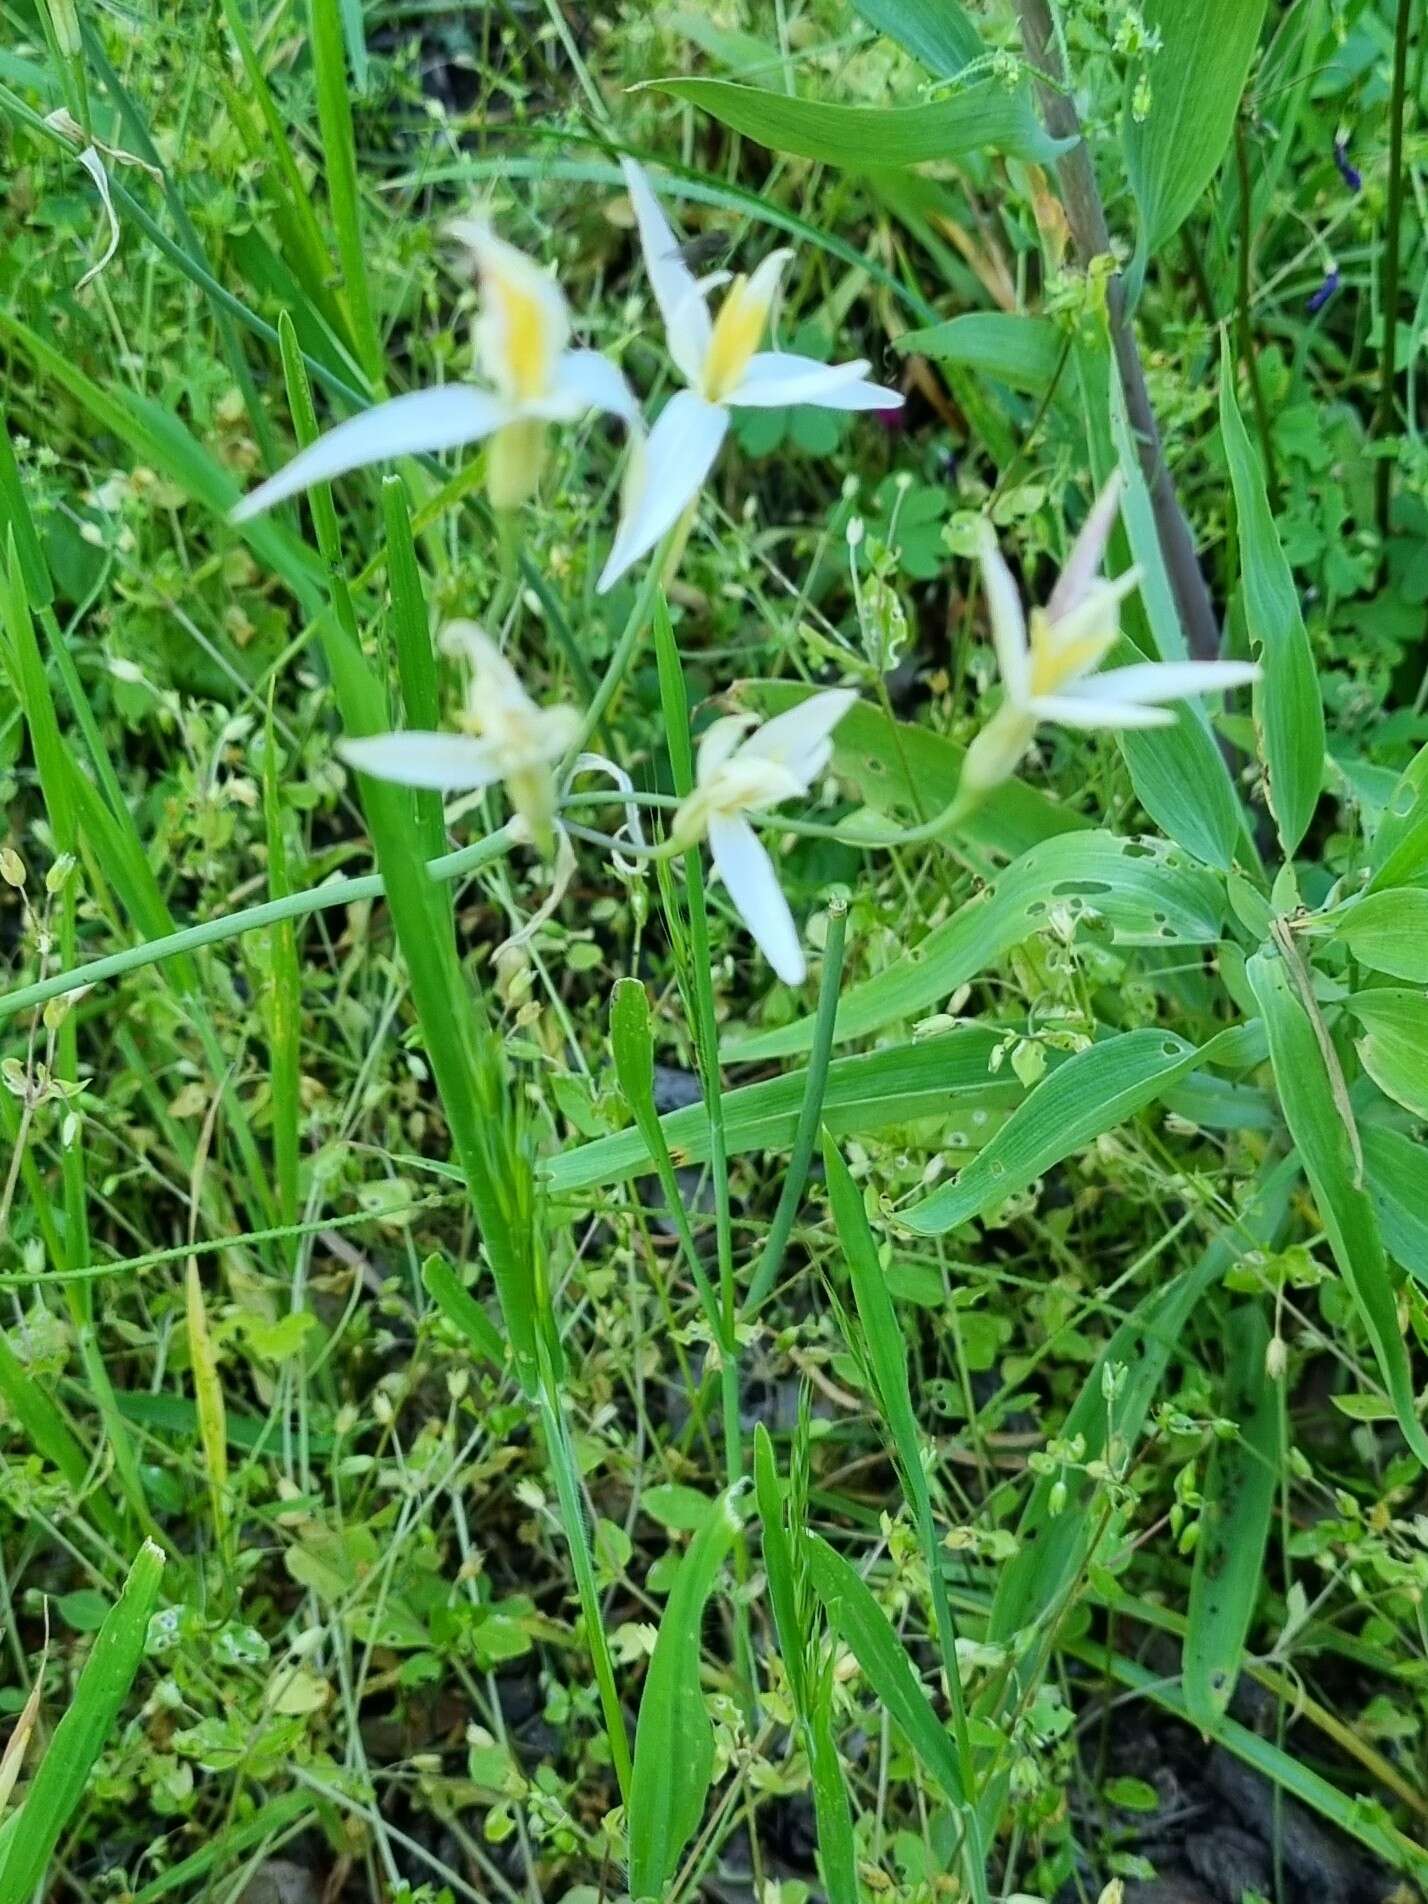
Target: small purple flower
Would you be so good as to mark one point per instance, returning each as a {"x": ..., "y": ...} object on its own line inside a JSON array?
[
  {"x": 1324, "y": 293},
  {"x": 1350, "y": 174}
]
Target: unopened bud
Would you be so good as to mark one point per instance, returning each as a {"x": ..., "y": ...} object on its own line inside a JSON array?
[{"x": 12, "y": 868}]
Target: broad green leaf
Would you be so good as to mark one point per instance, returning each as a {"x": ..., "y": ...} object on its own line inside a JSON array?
[
  {"x": 1396, "y": 1170},
  {"x": 1021, "y": 351},
  {"x": 948, "y": 1077},
  {"x": 1143, "y": 891},
  {"x": 1399, "y": 853},
  {"x": 1239, "y": 1496},
  {"x": 1091, "y": 1092},
  {"x": 1321, "y": 1136},
  {"x": 937, "y": 32},
  {"x": 674, "y": 1740},
  {"x": 83, "y": 1732},
  {"x": 1054, "y": 1548},
  {"x": 1196, "y": 79},
  {"x": 1389, "y": 932},
  {"x": 908, "y": 773},
  {"x": 861, "y": 1623},
  {"x": 1395, "y": 1050},
  {"x": 1288, "y": 709},
  {"x": 981, "y": 115}
]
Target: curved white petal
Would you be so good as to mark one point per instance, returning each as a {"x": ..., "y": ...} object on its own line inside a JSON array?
[
  {"x": 587, "y": 380},
  {"x": 1166, "y": 680},
  {"x": 775, "y": 377},
  {"x": 799, "y": 738},
  {"x": 681, "y": 301},
  {"x": 440, "y": 763},
  {"x": 1076, "y": 711},
  {"x": 716, "y": 743},
  {"x": 677, "y": 456},
  {"x": 1083, "y": 564},
  {"x": 421, "y": 421},
  {"x": 752, "y": 885},
  {"x": 1006, "y": 614}
]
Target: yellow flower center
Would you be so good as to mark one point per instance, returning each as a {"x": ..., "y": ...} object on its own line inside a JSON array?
[
  {"x": 737, "y": 332},
  {"x": 524, "y": 336},
  {"x": 1056, "y": 661}
]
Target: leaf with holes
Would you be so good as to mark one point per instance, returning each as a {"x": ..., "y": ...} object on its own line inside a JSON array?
[
  {"x": 1090, "y": 1093},
  {"x": 948, "y": 1077},
  {"x": 1143, "y": 892},
  {"x": 1240, "y": 1487}
]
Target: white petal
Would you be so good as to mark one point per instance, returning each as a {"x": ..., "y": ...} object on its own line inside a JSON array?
[
  {"x": 716, "y": 744},
  {"x": 777, "y": 377},
  {"x": 749, "y": 878},
  {"x": 1167, "y": 680},
  {"x": 421, "y": 421},
  {"x": 799, "y": 738},
  {"x": 1075, "y": 711},
  {"x": 682, "y": 303},
  {"x": 676, "y": 458},
  {"x": 442, "y": 763},
  {"x": 587, "y": 380},
  {"x": 1006, "y": 614},
  {"x": 1084, "y": 562}
]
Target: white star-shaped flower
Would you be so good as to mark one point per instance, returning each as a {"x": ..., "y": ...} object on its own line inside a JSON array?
[
  {"x": 739, "y": 772},
  {"x": 503, "y": 735},
  {"x": 1048, "y": 660},
  {"x": 719, "y": 358},
  {"x": 522, "y": 346}
]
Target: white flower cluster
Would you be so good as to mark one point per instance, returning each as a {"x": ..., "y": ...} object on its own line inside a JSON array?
[{"x": 534, "y": 378}]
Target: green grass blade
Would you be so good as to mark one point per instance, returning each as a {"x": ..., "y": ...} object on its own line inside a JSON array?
[
  {"x": 411, "y": 632},
  {"x": 1320, "y": 1123},
  {"x": 861, "y": 1623},
  {"x": 1288, "y": 707},
  {"x": 1094, "y": 1091},
  {"x": 334, "y": 112},
  {"x": 1239, "y": 1498},
  {"x": 674, "y": 1740},
  {"x": 81, "y": 1735}
]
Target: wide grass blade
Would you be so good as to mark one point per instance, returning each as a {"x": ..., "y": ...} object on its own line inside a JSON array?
[
  {"x": 1288, "y": 707},
  {"x": 674, "y": 1740},
  {"x": 81, "y": 1735},
  {"x": 1321, "y": 1124},
  {"x": 1239, "y": 1496}
]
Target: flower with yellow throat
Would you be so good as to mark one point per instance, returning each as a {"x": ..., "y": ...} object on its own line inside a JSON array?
[
  {"x": 1048, "y": 658},
  {"x": 719, "y": 358},
  {"x": 533, "y": 379}
]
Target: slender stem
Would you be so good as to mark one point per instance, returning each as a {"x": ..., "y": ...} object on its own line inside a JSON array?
[
  {"x": 1242, "y": 317},
  {"x": 809, "y": 1114},
  {"x": 577, "y": 1539},
  {"x": 635, "y": 625},
  {"x": 1392, "y": 260},
  {"x": 1087, "y": 219},
  {"x": 232, "y": 925}
]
